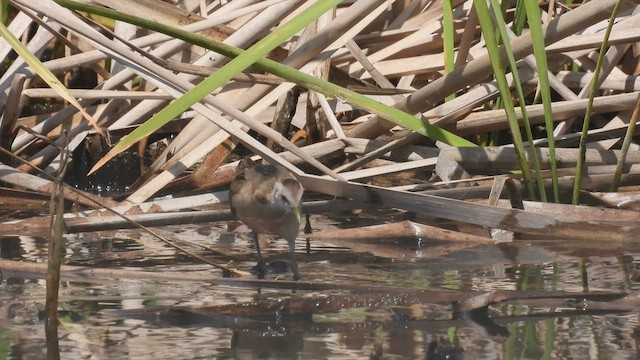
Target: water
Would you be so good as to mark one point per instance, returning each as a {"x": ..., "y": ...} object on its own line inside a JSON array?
[{"x": 142, "y": 319}]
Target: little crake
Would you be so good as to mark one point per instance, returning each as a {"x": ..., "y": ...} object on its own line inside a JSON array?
[{"x": 267, "y": 199}]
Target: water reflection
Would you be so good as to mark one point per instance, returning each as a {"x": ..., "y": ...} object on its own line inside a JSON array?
[
  {"x": 11, "y": 248},
  {"x": 143, "y": 319}
]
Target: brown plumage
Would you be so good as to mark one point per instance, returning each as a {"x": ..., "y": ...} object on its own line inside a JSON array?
[{"x": 267, "y": 199}]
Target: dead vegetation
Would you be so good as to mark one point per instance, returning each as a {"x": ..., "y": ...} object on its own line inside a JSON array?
[{"x": 390, "y": 51}]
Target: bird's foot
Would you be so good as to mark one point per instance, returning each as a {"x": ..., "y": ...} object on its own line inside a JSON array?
[
  {"x": 276, "y": 267},
  {"x": 260, "y": 269}
]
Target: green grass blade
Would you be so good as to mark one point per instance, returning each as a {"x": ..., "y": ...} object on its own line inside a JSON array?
[
  {"x": 537, "y": 37},
  {"x": 628, "y": 137},
  {"x": 448, "y": 34},
  {"x": 520, "y": 18},
  {"x": 500, "y": 22},
  {"x": 575, "y": 198},
  {"x": 490, "y": 36},
  {"x": 4, "y": 7}
]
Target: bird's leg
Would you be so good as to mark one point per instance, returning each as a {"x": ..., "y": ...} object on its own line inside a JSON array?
[
  {"x": 308, "y": 230},
  {"x": 294, "y": 263},
  {"x": 261, "y": 267}
]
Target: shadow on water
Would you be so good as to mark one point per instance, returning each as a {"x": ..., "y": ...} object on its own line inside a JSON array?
[{"x": 150, "y": 319}]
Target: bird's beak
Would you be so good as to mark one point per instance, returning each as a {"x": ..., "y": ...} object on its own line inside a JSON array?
[{"x": 297, "y": 213}]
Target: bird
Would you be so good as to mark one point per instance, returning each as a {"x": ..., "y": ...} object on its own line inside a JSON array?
[{"x": 267, "y": 198}]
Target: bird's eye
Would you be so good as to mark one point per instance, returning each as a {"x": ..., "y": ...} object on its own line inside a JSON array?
[{"x": 284, "y": 199}]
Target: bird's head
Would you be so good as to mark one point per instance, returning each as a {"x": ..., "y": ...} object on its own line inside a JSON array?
[{"x": 287, "y": 196}]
